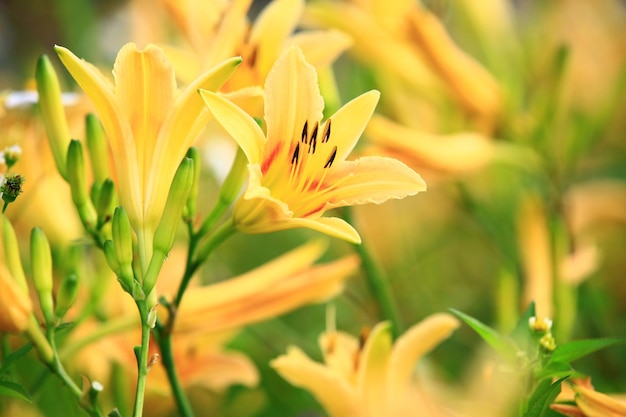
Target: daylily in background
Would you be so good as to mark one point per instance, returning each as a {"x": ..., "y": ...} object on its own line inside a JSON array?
[
  {"x": 588, "y": 401},
  {"x": 150, "y": 125},
  {"x": 15, "y": 305},
  {"x": 373, "y": 376},
  {"x": 297, "y": 165}
]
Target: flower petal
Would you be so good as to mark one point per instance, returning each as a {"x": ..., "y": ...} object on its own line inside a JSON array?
[
  {"x": 271, "y": 28},
  {"x": 373, "y": 363},
  {"x": 370, "y": 179},
  {"x": 292, "y": 97},
  {"x": 321, "y": 47},
  {"x": 349, "y": 122},
  {"x": 330, "y": 389},
  {"x": 331, "y": 226},
  {"x": 412, "y": 345},
  {"x": 243, "y": 129}
]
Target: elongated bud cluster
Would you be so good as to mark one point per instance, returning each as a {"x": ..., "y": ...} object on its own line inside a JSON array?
[
  {"x": 193, "y": 193},
  {"x": 41, "y": 262},
  {"x": 75, "y": 171},
  {"x": 172, "y": 214},
  {"x": 52, "y": 112},
  {"x": 119, "y": 252}
]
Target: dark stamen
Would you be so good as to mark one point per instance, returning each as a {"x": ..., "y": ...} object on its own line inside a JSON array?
[
  {"x": 305, "y": 132},
  {"x": 313, "y": 142},
  {"x": 296, "y": 152},
  {"x": 326, "y": 132},
  {"x": 331, "y": 158}
]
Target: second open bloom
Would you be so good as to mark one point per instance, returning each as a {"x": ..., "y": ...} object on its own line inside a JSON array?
[{"x": 297, "y": 164}]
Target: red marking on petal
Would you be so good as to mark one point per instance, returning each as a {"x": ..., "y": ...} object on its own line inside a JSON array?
[{"x": 269, "y": 160}]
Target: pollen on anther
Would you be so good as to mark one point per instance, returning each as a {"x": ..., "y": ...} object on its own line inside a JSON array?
[
  {"x": 331, "y": 158},
  {"x": 326, "y": 132},
  {"x": 296, "y": 152},
  {"x": 305, "y": 132},
  {"x": 313, "y": 142}
]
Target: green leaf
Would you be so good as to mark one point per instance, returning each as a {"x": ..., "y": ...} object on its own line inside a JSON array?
[
  {"x": 14, "y": 356},
  {"x": 554, "y": 370},
  {"x": 500, "y": 343},
  {"x": 572, "y": 351},
  {"x": 521, "y": 333},
  {"x": 14, "y": 390},
  {"x": 543, "y": 396}
]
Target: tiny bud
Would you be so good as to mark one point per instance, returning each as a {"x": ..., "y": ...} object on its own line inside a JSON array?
[
  {"x": 97, "y": 148},
  {"x": 152, "y": 316},
  {"x": 193, "y": 193},
  {"x": 52, "y": 111},
  {"x": 66, "y": 296},
  {"x": 11, "y": 155},
  {"x": 540, "y": 326},
  {"x": 11, "y": 187},
  {"x": 75, "y": 171},
  {"x": 547, "y": 342},
  {"x": 41, "y": 260}
]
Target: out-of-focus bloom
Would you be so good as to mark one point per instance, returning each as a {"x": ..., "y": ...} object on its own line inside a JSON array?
[
  {"x": 272, "y": 289},
  {"x": 216, "y": 31},
  {"x": 149, "y": 123},
  {"x": 406, "y": 40},
  {"x": 15, "y": 305},
  {"x": 298, "y": 167},
  {"x": 371, "y": 377},
  {"x": 589, "y": 402},
  {"x": 44, "y": 187},
  {"x": 536, "y": 256}
]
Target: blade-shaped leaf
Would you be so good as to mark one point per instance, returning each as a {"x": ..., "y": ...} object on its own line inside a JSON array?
[
  {"x": 543, "y": 396},
  {"x": 569, "y": 352},
  {"x": 521, "y": 333},
  {"x": 14, "y": 390},
  {"x": 14, "y": 356},
  {"x": 500, "y": 343}
]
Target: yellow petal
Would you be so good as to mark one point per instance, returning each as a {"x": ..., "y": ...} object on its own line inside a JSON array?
[
  {"x": 373, "y": 363},
  {"x": 371, "y": 180},
  {"x": 411, "y": 346},
  {"x": 15, "y": 305},
  {"x": 332, "y": 391},
  {"x": 292, "y": 98},
  {"x": 321, "y": 47},
  {"x": 349, "y": 122},
  {"x": 339, "y": 350},
  {"x": 271, "y": 28},
  {"x": 243, "y": 129},
  {"x": 331, "y": 226}
]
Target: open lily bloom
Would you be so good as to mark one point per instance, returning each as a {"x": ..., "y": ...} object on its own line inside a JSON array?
[
  {"x": 297, "y": 167},
  {"x": 149, "y": 124},
  {"x": 373, "y": 378}
]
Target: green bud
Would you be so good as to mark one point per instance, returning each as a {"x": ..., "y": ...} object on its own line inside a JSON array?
[
  {"x": 41, "y": 261},
  {"x": 97, "y": 148},
  {"x": 68, "y": 291},
  {"x": 104, "y": 201},
  {"x": 11, "y": 187},
  {"x": 172, "y": 214},
  {"x": 122, "y": 237},
  {"x": 52, "y": 112},
  {"x": 111, "y": 256},
  {"x": 235, "y": 179},
  {"x": 12, "y": 254},
  {"x": 193, "y": 193},
  {"x": 75, "y": 171}
]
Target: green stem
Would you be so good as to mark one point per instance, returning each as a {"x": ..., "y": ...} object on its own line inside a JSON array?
[{"x": 142, "y": 358}]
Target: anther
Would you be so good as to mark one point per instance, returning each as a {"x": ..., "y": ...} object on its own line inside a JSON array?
[
  {"x": 305, "y": 132},
  {"x": 326, "y": 132},
  {"x": 296, "y": 152},
  {"x": 331, "y": 158},
  {"x": 313, "y": 142}
]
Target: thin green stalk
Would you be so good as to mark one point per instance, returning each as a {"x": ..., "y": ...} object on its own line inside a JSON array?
[{"x": 142, "y": 359}]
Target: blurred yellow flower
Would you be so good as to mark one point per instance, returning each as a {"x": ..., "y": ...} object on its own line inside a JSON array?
[
  {"x": 589, "y": 402},
  {"x": 15, "y": 304},
  {"x": 281, "y": 285},
  {"x": 373, "y": 376},
  {"x": 148, "y": 122},
  {"x": 298, "y": 169}
]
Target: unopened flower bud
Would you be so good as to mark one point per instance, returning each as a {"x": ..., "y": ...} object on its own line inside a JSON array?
[
  {"x": 540, "y": 326},
  {"x": 15, "y": 305},
  {"x": 52, "y": 112},
  {"x": 104, "y": 201},
  {"x": 172, "y": 214},
  {"x": 41, "y": 262},
  {"x": 547, "y": 342},
  {"x": 236, "y": 177},
  {"x": 12, "y": 255},
  {"x": 122, "y": 236},
  {"x": 11, "y": 155},
  {"x": 193, "y": 193},
  {"x": 97, "y": 149},
  {"x": 11, "y": 187},
  {"x": 66, "y": 296},
  {"x": 75, "y": 171}
]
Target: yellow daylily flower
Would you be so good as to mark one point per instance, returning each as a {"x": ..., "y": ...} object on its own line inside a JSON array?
[
  {"x": 371, "y": 377},
  {"x": 148, "y": 122},
  {"x": 15, "y": 305},
  {"x": 281, "y": 285},
  {"x": 589, "y": 402},
  {"x": 298, "y": 169}
]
